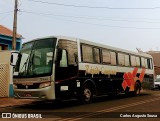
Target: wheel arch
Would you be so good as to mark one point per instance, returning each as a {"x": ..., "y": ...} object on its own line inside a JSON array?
[
  {"x": 91, "y": 84},
  {"x": 138, "y": 81}
]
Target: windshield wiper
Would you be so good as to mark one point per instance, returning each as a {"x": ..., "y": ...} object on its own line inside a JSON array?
[
  {"x": 30, "y": 64},
  {"x": 24, "y": 65}
]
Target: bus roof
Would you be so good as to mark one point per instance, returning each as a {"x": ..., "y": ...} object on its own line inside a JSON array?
[
  {"x": 96, "y": 45},
  {"x": 58, "y": 37}
]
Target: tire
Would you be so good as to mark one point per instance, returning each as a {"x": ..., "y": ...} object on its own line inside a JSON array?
[
  {"x": 86, "y": 94},
  {"x": 137, "y": 89}
]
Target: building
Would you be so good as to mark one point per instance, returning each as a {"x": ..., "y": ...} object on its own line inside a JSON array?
[
  {"x": 156, "y": 61},
  {"x": 6, "y": 70},
  {"x": 6, "y": 39}
]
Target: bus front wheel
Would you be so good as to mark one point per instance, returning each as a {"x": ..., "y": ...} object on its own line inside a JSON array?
[{"x": 86, "y": 94}]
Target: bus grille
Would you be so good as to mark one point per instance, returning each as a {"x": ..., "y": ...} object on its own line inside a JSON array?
[{"x": 34, "y": 86}]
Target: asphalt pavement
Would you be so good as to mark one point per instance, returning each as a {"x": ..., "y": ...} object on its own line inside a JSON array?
[{"x": 6, "y": 102}]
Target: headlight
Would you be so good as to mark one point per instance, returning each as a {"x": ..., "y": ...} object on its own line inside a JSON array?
[
  {"x": 45, "y": 84},
  {"x": 15, "y": 86}
]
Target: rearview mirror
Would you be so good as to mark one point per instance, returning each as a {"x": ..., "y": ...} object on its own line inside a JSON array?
[{"x": 14, "y": 56}]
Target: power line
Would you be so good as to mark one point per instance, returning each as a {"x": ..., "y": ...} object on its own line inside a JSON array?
[
  {"x": 6, "y": 12},
  {"x": 94, "y": 18},
  {"x": 111, "y": 26},
  {"x": 103, "y": 25},
  {"x": 96, "y": 7}
]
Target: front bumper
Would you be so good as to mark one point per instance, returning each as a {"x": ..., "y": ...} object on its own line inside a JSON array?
[{"x": 46, "y": 93}]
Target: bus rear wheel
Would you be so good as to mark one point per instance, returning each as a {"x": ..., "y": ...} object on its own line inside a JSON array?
[
  {"x": 86, "y": 94},
  {"x": 137, "y": 89}
]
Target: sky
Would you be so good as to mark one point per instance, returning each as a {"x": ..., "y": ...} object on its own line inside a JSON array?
[{"x": 126, "y": 24}]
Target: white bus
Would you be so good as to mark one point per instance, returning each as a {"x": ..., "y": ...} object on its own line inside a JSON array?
[{"x": 63, "y": 68}]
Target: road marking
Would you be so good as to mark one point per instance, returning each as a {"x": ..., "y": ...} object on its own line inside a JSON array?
[{"x": 79, "y": 117}]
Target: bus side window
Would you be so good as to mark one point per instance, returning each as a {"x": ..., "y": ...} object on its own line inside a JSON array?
[
  {"x": 87, "y": 53},
  {"x": 113, "y": 58},
  {"x": 133, "y": 61},
  {"x": 143, "y": 62},
  {"x": 149, "y": 62},
  {"x": 146, "y": 63},
  {"x": 121, "y": 59},
  {"x": 126, "y": 60},
  {"x": 96, "y": 53},
  {"x": 106, "y": 56},
  {"x": 137, "y": 61},
  {"x": 64, "y": 59}
]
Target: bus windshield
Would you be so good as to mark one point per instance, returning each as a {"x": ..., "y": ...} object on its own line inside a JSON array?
[{"x": 36, "y": 58}]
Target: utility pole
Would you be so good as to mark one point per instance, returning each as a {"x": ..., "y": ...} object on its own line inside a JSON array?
[{"x": 15, "y": 25}]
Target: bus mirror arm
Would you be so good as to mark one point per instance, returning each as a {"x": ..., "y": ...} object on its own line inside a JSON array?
[{"x": 59, "y": 56}]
